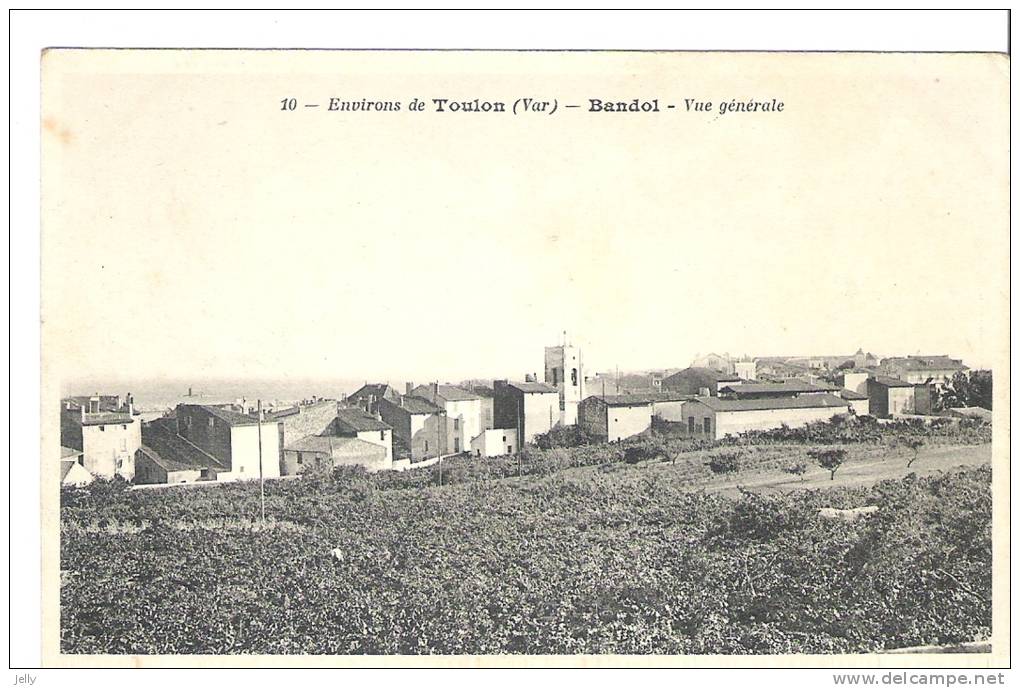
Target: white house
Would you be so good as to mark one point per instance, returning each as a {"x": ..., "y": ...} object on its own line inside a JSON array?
[
  {"x": 463, "y": 413},
  {"x": 495, "y": 442}
]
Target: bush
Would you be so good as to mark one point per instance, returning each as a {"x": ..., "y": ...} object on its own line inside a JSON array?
[
  {"x": 798, "y": 469},
  {"x": 565, "y": 436},
  {"x": 726, "y": 462}
]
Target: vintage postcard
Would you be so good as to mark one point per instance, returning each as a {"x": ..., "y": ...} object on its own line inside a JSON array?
[{"x": 525, "y": 358}]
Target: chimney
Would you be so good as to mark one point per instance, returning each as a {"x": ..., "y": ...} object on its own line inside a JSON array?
[
  {"x": 435, "y": 390},
  {"x": 82, "y": 413},
  {"x": 408, "y": 386}
]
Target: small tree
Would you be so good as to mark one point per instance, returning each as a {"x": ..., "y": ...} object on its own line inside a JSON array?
[
  {"x": 914, "y": 444},
  {"x": 829, "y": 459}
]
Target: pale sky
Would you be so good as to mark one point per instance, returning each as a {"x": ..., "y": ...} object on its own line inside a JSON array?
[{"x": 192, "y": 228}]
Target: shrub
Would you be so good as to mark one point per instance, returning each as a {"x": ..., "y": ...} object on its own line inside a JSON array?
[
  {"x": 798, "y": 469},
  {"x": 726, "y": 462}
]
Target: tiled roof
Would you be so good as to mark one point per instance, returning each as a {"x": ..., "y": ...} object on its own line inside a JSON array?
[
  {"x": 416, "y": 405},
  {"x": 336, "y": 446},
  {"x": 173, "y": 452},
  {"x": 807, "y": 401},
  {"x": 226, "y": 415},
  {"x": 356, "y": 420},
  {"x": 68, "y": 452},
  {"x": 920, "y": 363},
  {"x": 533, "y": 387},
  {"x": 65, "y": 468},
  {"x": 453, "y": 393},
  {"x": 849, "y": 395},
  {"x": 376, "y": 390},
  {"x": 703, "y": 374},
  {"x": 642, "y": 399},
  {"x": 107, "y": 402},
  {"x": 787, "y": 387},
  {"x": 891, "y": 381},
  {"x": 106, "y": 419}
]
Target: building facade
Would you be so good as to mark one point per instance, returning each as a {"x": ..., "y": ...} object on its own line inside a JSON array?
[
  {"x": 889, "y": 396},
  {"x": 530, "y": 408},
  {"x": 304, "y": 420},
  {"x": 463, "y": 411},
  {"x": 106, "y": 432},
  {"x": 418, "y": 424},
  {"x": 367, "y": 398},
  {"x": 746, "y": 370},
  {"x": 699, "y": 381},
  {"x": 615, "y": 418},
  {"x": 715, "y": 418},
  {"x": 719, "y": 363},
  {"x": 936, "y": 369},
  {"x": 356, "y": 423},
  {"x": 325, "y": 453},
  {"x": 244, "y": 447},
  {"x": 564, "y": 371},
  {"x": 495, "y": 442}
]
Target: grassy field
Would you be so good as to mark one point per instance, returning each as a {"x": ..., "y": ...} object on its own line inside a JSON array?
[{"x": 653, "y": 557}]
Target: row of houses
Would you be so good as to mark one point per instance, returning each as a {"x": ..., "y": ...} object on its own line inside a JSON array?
[
  {"x": 376, "y": 427},
  {"x": 380, "y": 428},
  {"x": 935, "y": 369}
]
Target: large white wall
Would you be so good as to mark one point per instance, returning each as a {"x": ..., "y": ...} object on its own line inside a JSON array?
[
  {"x": 103, "y": 446},
  {"x": 735, "y": 422},
  {"x": 627, "y": 421},
  {"x": 244, "y": 452}
]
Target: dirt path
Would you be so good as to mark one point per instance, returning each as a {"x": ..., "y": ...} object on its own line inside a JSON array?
[{"x": 860, "y": 473}]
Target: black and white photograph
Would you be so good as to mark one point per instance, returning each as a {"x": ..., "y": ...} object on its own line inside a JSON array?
[{"x": 538, "y": 357}]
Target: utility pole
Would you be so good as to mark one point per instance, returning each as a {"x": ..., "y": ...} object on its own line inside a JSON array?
[
  {"x": 520, "y": 435},
  {"x": 262, "y": 482}
]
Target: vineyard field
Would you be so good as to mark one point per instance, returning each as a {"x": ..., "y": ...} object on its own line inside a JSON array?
[{"x": 614, "y": 559}]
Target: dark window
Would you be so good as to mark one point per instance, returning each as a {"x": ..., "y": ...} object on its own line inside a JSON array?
[
  {"x": 708, "y": 425},
  {"x": 123, "y": 427},
  {"x": 573, "y": 376},
  {"x": 426, "y": 445},
  {"x": 102, "y": 428},
  {"x": 300, "y": 459},
  {"x": 456, "y": 445},
  {"x": 456, "y": 423},
  {"x": 690, "y": 424},
  {"x": 382, "y": 435},
  {"x": 509, "y": 449}
]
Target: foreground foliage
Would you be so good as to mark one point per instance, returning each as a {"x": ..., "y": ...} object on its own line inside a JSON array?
[{"x": 589, "y": 561}]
